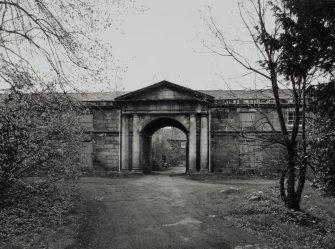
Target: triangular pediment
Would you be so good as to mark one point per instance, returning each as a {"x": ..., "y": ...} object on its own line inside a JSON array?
[{"x": 165, "y": 90}]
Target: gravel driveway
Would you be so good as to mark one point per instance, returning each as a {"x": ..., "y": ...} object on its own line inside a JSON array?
[{"x": 154, "y": 212}]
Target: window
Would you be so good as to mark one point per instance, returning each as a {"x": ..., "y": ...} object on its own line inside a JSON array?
[
  {"x": 290, "y": 118},
  {"x": 183, "y": 144}
]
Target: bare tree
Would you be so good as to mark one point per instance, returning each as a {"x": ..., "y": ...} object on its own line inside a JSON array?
[
  {"x": 44, "y": 46},
  {"x": 279, "y": 64},
  {"x": 50, "y": 41}
]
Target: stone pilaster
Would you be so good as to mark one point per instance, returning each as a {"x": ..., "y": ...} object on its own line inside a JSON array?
[
  {"x": 192, "y": 143},
  {"x": 136, "y": 144},
  {"x": 125, "y": 144},
  {"x": 204, "y": 143}
]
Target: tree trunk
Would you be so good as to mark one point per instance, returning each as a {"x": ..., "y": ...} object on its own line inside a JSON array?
[
  {"x": 303, "y": 166},
  {"x": 282, "y": 184},
  {"x": 287, "y": 191},
  {"x": 292, "y": 201}
]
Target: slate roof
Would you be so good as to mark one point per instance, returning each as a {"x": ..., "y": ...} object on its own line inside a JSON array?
[
  {"x": 97, "y": 96},
  {"x": 247, "y": 94},
  {"x": 217, "y": 94}
]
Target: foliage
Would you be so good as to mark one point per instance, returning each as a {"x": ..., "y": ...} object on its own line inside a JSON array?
[
  {"x": 322, "y": 99},
  {"x": 321, "y": 146},
  {"x": 313, "y": 23},
  {"x": 37, "y": 215},
  {"x": 40, "y": 135},
  {"x": 41, "y": 44},
  {"x": 321, "y": 136},
  {"x": 45, "y": 46},
  {"x": 308, "y": 35},
  {"x": 307, "y": 44}
]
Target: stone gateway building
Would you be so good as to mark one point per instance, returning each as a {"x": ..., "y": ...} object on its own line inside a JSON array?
[{"x": 225, "y": 131}]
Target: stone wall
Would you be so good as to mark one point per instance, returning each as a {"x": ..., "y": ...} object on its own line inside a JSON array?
[
  {"x": 102, "y": 132},
  {"x": 240, "y": 140},
  {"x": 230, "y": 153},
  {"x": 236, "y": 131}
]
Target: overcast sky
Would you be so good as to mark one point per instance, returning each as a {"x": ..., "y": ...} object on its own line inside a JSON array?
[{"x": 164, "y": 42}]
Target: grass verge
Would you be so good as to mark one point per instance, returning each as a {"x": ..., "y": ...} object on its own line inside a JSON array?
[
  {"x": 258, "y": 209},
  {"x": 37, "y": 215}
]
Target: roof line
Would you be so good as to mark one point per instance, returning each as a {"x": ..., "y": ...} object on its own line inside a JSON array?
[{"x": 167, "y": 83}]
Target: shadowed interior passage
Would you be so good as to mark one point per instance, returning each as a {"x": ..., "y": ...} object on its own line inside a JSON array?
[{"x": 164, "y": 143}]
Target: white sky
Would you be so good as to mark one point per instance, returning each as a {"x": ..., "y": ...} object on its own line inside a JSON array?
[
  {"x": 164, "y": 43},
  {"x": 163, "y": 40}
]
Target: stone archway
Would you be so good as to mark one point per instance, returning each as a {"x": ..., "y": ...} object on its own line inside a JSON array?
[
  {"x": 164, "y": 104},
  {"x": 146, "y": 138}
]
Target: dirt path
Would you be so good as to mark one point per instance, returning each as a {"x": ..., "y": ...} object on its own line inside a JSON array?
[{"x": 155, "y": 212}]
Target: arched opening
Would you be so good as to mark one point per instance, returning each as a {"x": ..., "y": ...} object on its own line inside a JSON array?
[{"x": 165, "y": 146}]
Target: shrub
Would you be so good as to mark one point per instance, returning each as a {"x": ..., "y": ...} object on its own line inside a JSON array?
[
  {"x": 321, "y": 145},
  {"x": 40, "y": 136}
]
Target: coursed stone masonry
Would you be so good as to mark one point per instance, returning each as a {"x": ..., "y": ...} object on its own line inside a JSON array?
[{"x": 224, "y": 129}]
